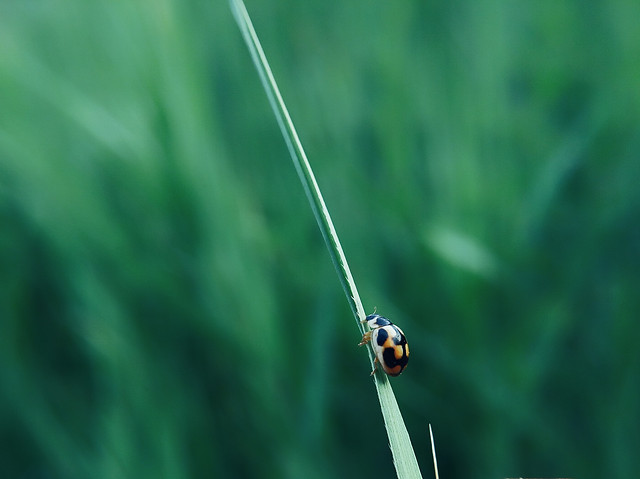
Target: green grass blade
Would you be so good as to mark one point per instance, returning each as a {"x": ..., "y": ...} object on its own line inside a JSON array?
[
  {"x": 299, "y": 159},
  {"x": 403, "y": 455}
]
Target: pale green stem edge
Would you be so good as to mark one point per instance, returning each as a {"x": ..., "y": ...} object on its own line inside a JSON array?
[{"x": 404, "y": 457}]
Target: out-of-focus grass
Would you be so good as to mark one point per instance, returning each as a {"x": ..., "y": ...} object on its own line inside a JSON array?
[{"x": 168, "y": 310}]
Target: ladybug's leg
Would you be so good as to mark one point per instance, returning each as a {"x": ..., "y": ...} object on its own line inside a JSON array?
[
  {"x": 365, "y": 338},
  {"x": 375, "y": 366}
]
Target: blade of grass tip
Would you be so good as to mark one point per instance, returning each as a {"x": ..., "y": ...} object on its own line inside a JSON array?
[
  {"x": 403, "y": 455},
  {"x": 433, "y": 451},
  {"x": 299, "y": 159}
]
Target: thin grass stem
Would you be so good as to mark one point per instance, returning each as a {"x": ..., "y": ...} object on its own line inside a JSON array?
[
  {"x": 403, "y": 455},
  {"x": 433, "y": 452}
]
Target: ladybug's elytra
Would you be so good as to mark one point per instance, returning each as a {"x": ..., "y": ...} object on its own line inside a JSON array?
[{"x": 389, "y": 345}]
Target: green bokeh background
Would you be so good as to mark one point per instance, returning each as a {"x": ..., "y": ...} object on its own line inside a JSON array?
[{"x": 168, "y": 308}]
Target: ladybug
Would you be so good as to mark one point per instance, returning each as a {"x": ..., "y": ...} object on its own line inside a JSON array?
[{"x": 389, "y": 345}]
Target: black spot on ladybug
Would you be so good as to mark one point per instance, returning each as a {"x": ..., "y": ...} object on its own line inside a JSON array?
[
  {"x": 391, "y": 361},
  {"x": 382, "y": 336}
]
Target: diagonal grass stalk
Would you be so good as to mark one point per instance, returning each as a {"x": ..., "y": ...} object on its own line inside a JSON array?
[
  {"x": 403, "y": 455},
  {"x": 433, "y": 452}
]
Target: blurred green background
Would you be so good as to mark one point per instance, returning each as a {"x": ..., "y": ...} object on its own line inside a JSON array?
[{"x": 168, "y": 308}]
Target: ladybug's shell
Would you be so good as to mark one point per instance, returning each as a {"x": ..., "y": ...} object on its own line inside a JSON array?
[{"x": 391, "y": 348}]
